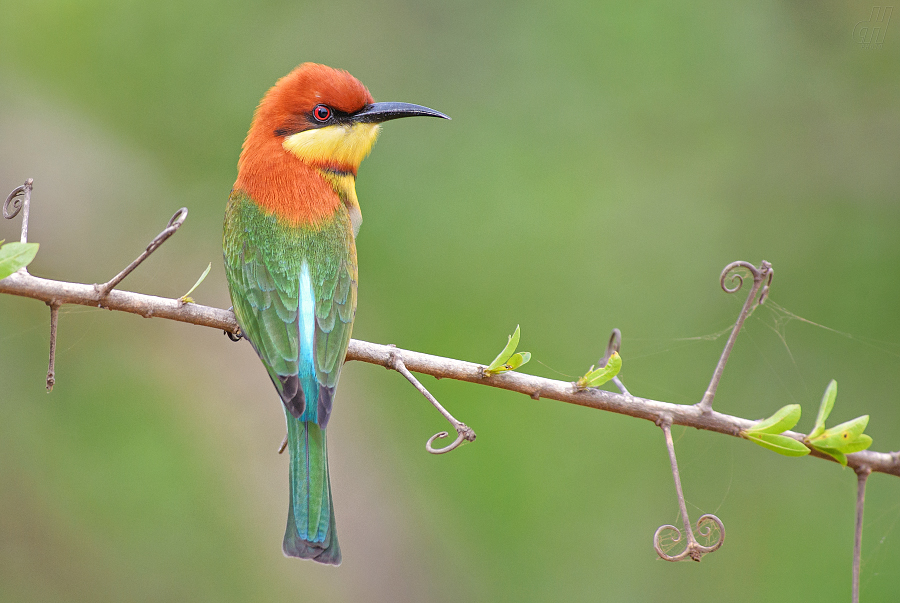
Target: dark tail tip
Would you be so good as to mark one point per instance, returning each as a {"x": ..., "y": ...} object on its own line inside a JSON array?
[
  {"x": 328, "y": 552},
  {"x": 312, "y": 550}
]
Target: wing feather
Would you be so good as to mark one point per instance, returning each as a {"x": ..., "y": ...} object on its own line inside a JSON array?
[{"x": 263, "y": 261}]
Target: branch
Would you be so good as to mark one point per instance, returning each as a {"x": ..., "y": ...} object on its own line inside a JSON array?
[
  {"x": 663, "y": 414},
  {"x": 59, "y": 292}
]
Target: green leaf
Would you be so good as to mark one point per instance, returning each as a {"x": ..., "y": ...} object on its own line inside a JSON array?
[
  {"x": 781, "y": 421},
  {"x": 189, "y": 300},
  {"x": 840, "y": 435},
  {"x": 16, "y": 255},
  {"x": 596, "y": 378},
  {"x": 517, "y": 360},
  {"x": 862, "y": 442},
  {"x": 835, "y": 454},
  {"x": 778, "y": 443},
  {"x": 503, "y": 356},
  {"x": 824, "y": 408},
  {"x": 507, "y": 360},
  {"x": 840, "y": 440}
]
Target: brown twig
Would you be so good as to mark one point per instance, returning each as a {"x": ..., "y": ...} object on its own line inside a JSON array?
[
  {"x": 174, "y": 224},
  {"x": 763, "y": 273},
  {"x": 705, "y": 524},
  {"x": 51, "y": 368},
  {"x": 862, "y": 474},
  {"x": 464, "y": 433}
]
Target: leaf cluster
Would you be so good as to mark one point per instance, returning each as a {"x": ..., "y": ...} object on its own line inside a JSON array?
[
  {"x": 767, "y": 433},
  {"x": 508, "y": 359},
  {"x": 837, "y": 442},
  {"x": 597, "y": 377},
  {"x": 840, "y": 440}
]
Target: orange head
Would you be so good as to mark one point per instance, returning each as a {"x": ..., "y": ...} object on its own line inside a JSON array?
[
  {"x": 315, "y": 118},
  {"x": 325, "y": 117}
]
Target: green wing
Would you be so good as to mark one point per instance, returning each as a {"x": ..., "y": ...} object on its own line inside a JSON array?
[{"x": 264, "y": 263}]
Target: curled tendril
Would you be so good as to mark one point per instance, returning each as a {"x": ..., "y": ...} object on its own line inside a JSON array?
[
  {"x": 694, "y": 549},
  {"x": 735, "y": 277},
  {"x": 174, "y": 224},
  {"x": 759, "y": 274},
  {"x": 19, "y": 199},
  {"x": 460, "y": 438},
  {"x": 729, "y": 274},
  {"x": 464, "y": 433},
  {"x": 705, "y": 526},
  {"x": 14, "y": 201},
  {"x": 675, "y": 538},
  {"x": 178, "y": 218}
]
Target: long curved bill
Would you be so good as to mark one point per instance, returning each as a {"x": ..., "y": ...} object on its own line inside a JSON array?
[{"x": 379, "y": 112}]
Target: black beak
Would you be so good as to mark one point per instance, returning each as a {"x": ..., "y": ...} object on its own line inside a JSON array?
[{"x": 379, "y": 112}]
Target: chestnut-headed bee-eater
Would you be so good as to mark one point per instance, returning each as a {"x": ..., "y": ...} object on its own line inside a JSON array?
[{"x": 290, "y": 259}]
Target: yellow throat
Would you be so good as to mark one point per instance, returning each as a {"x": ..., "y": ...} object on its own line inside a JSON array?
[{"x": 340, "y": 144}]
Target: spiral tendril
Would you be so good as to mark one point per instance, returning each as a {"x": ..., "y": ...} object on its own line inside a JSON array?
[
  {"x": 13, "y": 204},
  {"x": 705, "y": 526},
  {"x": 464, "y": 433},
  {"x": 460, "y": 438},
  {"x": 728, "y": 274},
  {"x": 764, "y": 271},
  {"x": 16, "y": 201}
]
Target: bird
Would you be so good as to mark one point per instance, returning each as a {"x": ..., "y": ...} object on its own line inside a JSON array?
[{"x": 289, "y": 244}]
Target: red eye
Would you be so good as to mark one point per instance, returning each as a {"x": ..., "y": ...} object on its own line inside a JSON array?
[{"x": 321, "y": 113}]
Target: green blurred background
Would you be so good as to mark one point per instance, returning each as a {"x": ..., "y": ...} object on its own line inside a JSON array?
[{"x": 604, "y": 162}]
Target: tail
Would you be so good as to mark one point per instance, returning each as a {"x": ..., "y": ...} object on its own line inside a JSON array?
[{"x": 310, "y": 532}]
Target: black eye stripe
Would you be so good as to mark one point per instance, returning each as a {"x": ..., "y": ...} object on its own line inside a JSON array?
[{"x": 321, "y": 115}]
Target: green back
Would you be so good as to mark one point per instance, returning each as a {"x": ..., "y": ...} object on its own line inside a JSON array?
[{"x": 264, "y": 258}]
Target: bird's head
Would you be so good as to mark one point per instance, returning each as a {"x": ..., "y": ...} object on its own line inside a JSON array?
[{"x": 325, "y": 117}]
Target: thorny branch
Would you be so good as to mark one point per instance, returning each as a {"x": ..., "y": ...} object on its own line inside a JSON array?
[
  {"x": 19, "y": 200},
  {"x": 664, "y": 414},
  {"x": 536, "y": 387}
]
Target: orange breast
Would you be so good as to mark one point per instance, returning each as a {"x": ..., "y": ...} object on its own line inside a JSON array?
[{"x": 282, "y": 184}]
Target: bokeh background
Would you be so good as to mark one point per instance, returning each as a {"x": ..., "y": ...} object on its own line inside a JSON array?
[{"x": 604, "y": 162}]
